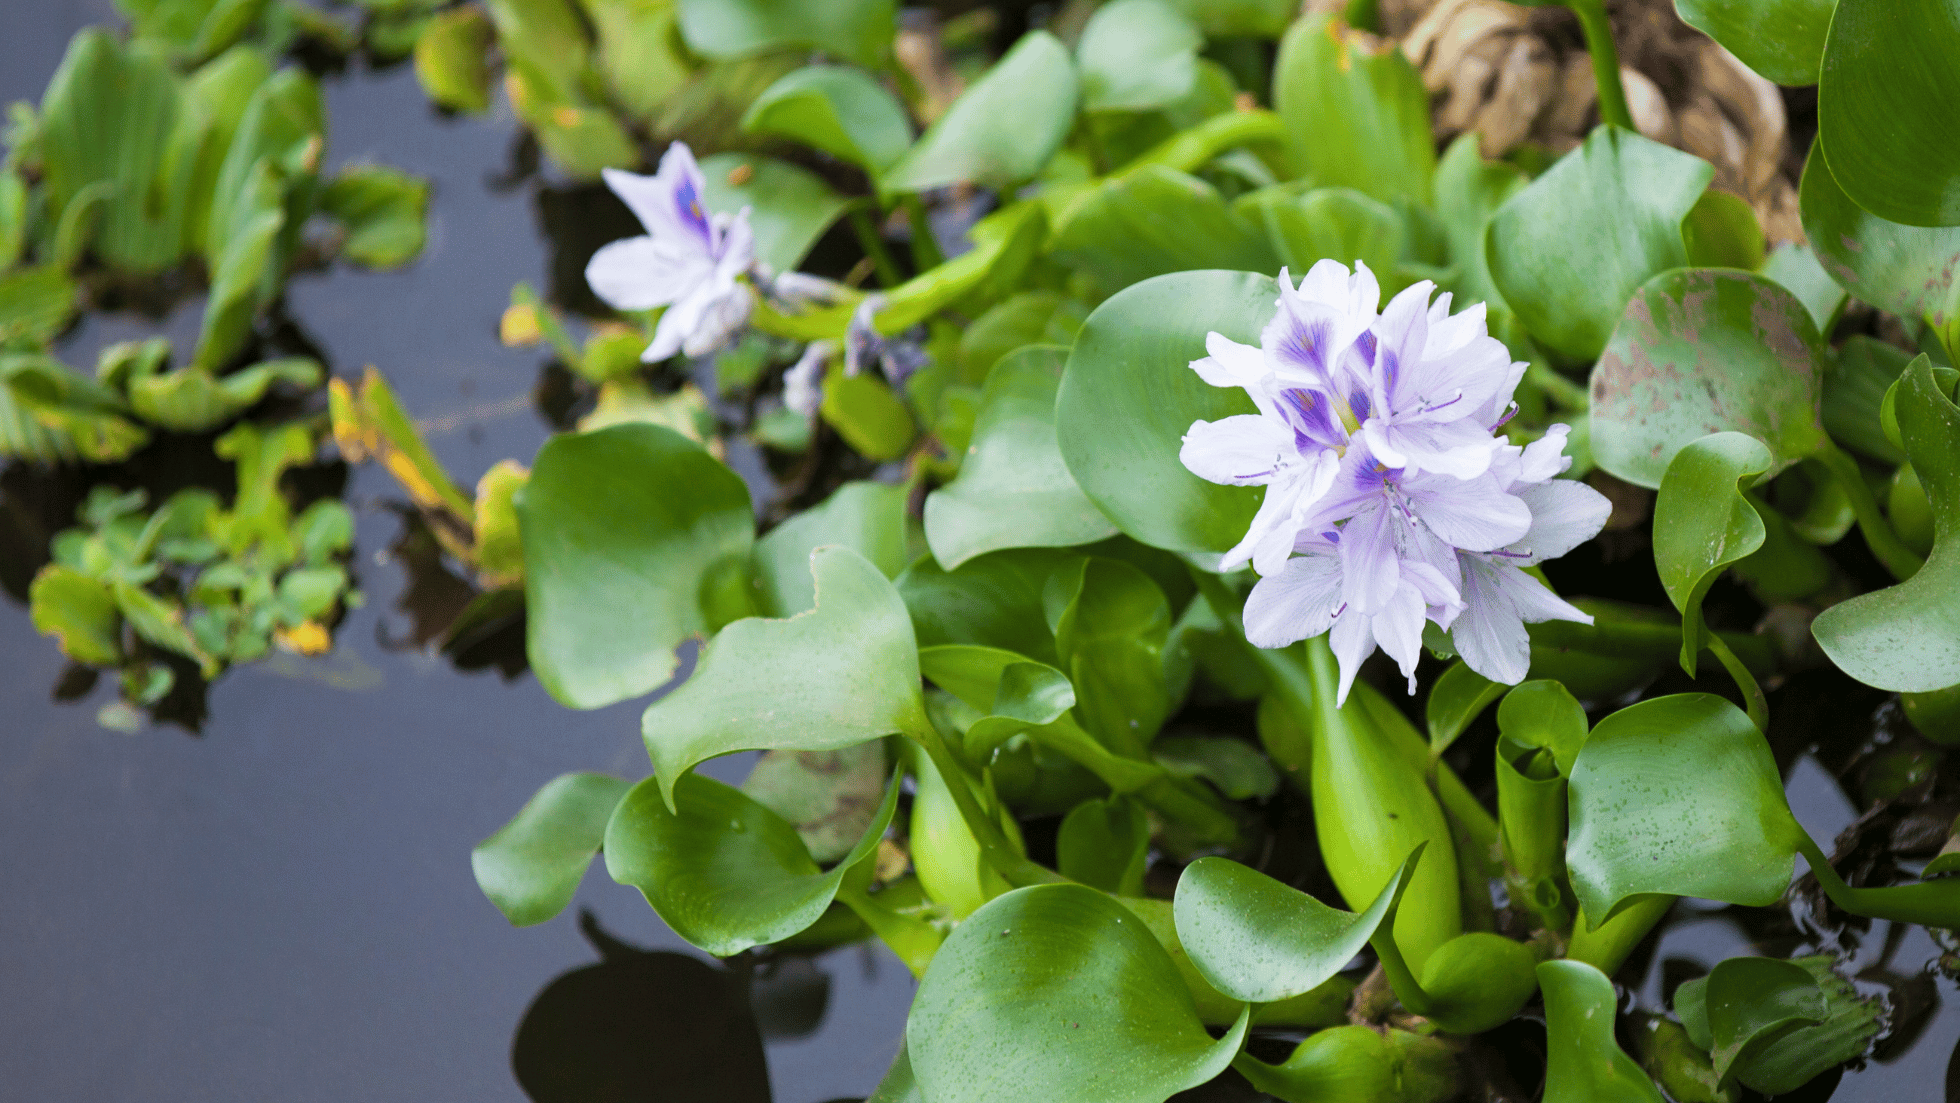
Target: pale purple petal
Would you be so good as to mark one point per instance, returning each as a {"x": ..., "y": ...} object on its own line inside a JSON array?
[
  {"x": 1439, "y": 594},
  {"x": 803, "y": 382},
  {"x": 1545, "y": 457},
  {"x": 1533, "y": 600},
  {"x": 1296, "y": 603},
  {"x": 1398, "y": 629},
  {"x": 1353, "y": 640},
  {"x": 1369, "y": 558},
  {"x": 1489, "y": 634},
  {"x": 737, "y": 244},
  {"x": 670, "y": 202},
  {"x": 1451, "y": 332},
  {"x": 722, "y": 321},
  {"x": 1472, "y": 514},
  {"x": 1565, "y": 513},
  {"x": 1230, "y": 364},
  {"x": 1460, "y": 449},
  {"x": 1242, "y": 450},
  {"x": 637, "y": 273}
]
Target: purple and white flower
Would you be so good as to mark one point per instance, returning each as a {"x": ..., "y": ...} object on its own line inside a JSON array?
[
  {"x": 690, "y": 261},
  {"x": 1377, "y": 445}
]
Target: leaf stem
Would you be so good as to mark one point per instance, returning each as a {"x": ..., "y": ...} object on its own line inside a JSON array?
[
  {"x": 1563, "y": 393},
  {"x": 1902, "y": 561},
  {"x": 925, "y": 251},
  {"x": 1364, "y": 15},
  {"x": 873, "y": 244},
  {"x": 1752, "y": 694},
  {"x": 1606, "y": 949},
  {"x": 1934, "y": 903},
  {"x": 1013, "y": 866},
  {"x": 1605, "y": 61}
]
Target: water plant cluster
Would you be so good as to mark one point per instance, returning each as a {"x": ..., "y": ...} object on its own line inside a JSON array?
[{"x": 1042, "y": 540}]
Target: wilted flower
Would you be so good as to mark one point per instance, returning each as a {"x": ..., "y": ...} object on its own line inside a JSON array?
[
  {"x": 690, "y": 261},
  {"x": 897, "y": 356},
  {"x": 1383, "y": 470},
  {"x": 803, "y": 382}
]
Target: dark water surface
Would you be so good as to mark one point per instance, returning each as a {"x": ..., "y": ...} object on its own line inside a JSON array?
[{"x": 281, "y": 907}]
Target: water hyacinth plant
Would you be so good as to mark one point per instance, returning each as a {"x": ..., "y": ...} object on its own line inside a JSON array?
[{"x": 1019, "y": 455}]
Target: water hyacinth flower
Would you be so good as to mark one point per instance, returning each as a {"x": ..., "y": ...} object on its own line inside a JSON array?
[
  {"x": 1385, "y": 475},
  {"x": 690, "y": 261}
]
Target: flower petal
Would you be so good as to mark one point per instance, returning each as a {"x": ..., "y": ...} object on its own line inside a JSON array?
[
  {"x": 1472, "y": 514},
  {"x": 637, "y": 273},
  {"x": 1370, "y": 559},
  {"x": 1353, "y": 640},
  {"x": 1398, "y": 630},
  {"x": 1565, "y": 513},
  {"x": 1242, "y": 450},
  {"x": 1295, "y": 603}
]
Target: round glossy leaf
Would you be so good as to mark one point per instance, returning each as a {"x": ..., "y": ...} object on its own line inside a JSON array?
[
  {"x": 1103, "y": 844},
  {"x": 1544, "y": 713},
  {"x": 789, "y": 206},
  {"x": 1796, "y": 267},
  {"x": 827, "y": 796},
  {"x": 861, "y": 30},
  {"x": 1469, "y": 190},
  {"x": 764, "y": 684},
  {"x": 1003, "y": 129},
  {"x": 1260, "y": 941},
  {"x": 1356, "y": 114},
  {"x": 1583, "y": 1062},
  {"x": 843, "y": 111},
  {"x": 1570, "y": 249},
  {"x": 1678, "y": 795},
  {"x": 1013, "y": 490},
  {"x": 621, "y": 527},
  {"x": 993, "y": 601},
  {"x": 1754, "y": 1001},
  {"x": 1782, "y": 40},
  {"x": 1112, "y": 623},
  {"x": 1459, "y": 696},
  {"x": 532, "y": 866},
  {"x": 866, "y": 517},
  {"x": 1338, "y": 224},
  {"x": 1058, "y": 992},
  {"x": 1703, "y": 350},
  {"x": 1129, "y": 396},
  {"x": 1885, "y": 111},
  {"x": 1908, "y": 270},
  {"x": 1703, "y": 522},
  {"x": 1157, "y": 220},
  {"x": 1137, "y": 54},
  {"x": 722, "y": 870},
  {"x": 1907, "y": 637}
]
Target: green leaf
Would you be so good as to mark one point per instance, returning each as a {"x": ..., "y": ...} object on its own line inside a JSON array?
[
  {"x": 161, "y": 622},
  {"x": 1137, "y": 54},
  {"x": 532, "y": 866},
  {"x": 720, "y": 868},
  {"x": 1701, "y": 351},
  {"x": 867, "y": 413},
  {"x": 1544, "y": 713},
  {"x": 1231, "y": 18},
  {"x": 843, "y": 111},
  {"x": 640, "y": 53},
  {"x": 1704, "y": 523},
  {"x": 35, "y": 305},
  {"x": 1783, "y": 40},
  {"x": 1356, "y": 115},
  {"x": 1678, "y": 795},
  {"x": 860, "y": 30},
  {"x": 1908, "y": 270},
  {"x": 79, "y": 612},
  {"x": 1157, "y": 220},
  {"x": 1787, "y": 1063},
  {"x": 1469, "y": 192},
  {"x": 452, "y": 59},
  {"x": 1571, "y": 248},
  {"x": 789, "y": 206},
  {"x": 1332, "y": 224},
  {"x": 385, "y": 212},
  {"x": 622, "y": 526},
  {"x": 243, "y": 268},
  {"x": 993, "y": 601},
  {"x": 1233, "y": 766},
  {"x": 1795, "y": 266},
  {"x": 828, "y": 796},
  {"x": 947, "y": 857},
  {"x": 866, "y": 517},
  {"x": 1013, "y": 490},
  {"x": 1583, "y": 1062},
  {"x": 1024, "y": 318},
  {"x": 1002, "y": 129},
  {"x": 1864, "y": 369},
  {"x": 1104, "y": 844},
  {"x": 1907, "y": 637},
  {"x": 1355, "y": 1064},
  {"x": 763, "y": 684},
  {"x": 1260, "y": 941},
  {"x": 1882, "y": 108},
  {"x": 1721, "y": 231},
  {"x": 1129, "y": 396},
  {"x": 1058, "y": 992},
  {"x": 498, "y": 543},
  {"x": 1754, "y": 1002},
  {"x": 1459, "y": 696},
  {"x": 190, "y": 400},
  {"x": 1111, "y": 625}
]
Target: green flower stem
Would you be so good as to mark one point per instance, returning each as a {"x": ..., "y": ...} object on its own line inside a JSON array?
[
  {"x": 1184, "y": 801},
  {"x": 1605, "y": 61},
  {"x": 1902, "y": 561},
  {"x": 1191, "y": 148},
  {"x": 925, "y": 251},
  {"x": 1934, "y": 903},
  {"x": 1752, "y": 694},
  {"x": 1294, "y": 686},
  {"x": 1662, "y": 640},
  {"x": 873, "y": 244},
  {"x": 1606, "y": 949},
  {"x": 1400, "y": 979},
  {"x": 1013, "y": 866}
]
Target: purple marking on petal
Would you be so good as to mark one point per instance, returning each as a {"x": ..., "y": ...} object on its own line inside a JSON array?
[
  {"x": 1359, "y": 404},
  {"x": 1332, "y": 536},
  {"x": 687, "y": 201},
  {"x": 1391, "y": 370},
  {"x": 1310, "y": 419},
  {"x": 1365, "y": 346},
  {"x": 1304, "y": 343}
]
